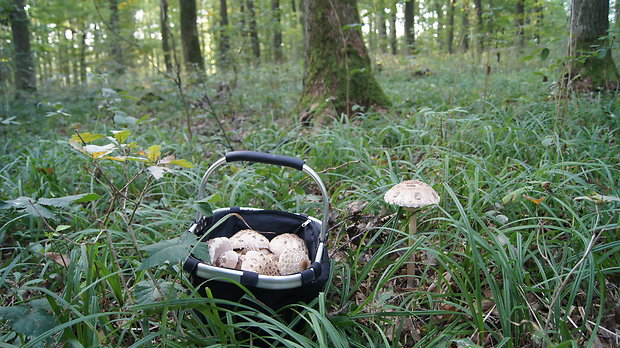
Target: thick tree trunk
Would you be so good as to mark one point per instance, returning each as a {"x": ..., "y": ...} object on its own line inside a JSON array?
[
  {"x": 253, "y": 29},
  {"x": 519, "y": 23},
  {"x": 465, "y": 33},
  {"x": 224, "y": 39},
  {"x": 479, "y": 25},
  {"x": 115, "y": 42},
  {"x": 337, "y": 72},
  {"x": 393, "y": 37},
  {"x": 189, "y": 36},
  {"x": 25, "y": 77},
  {"x": 383, "y": 40},
  {"x": 451, "y": 10},
  {"x": 410, "y": 25},
  {"x": 277, "y": 31},
  {"x": 165, "y": 34},
  {"x": 592, "y": 67}
]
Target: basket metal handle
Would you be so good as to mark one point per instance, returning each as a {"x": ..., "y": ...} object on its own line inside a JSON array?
[{"x": 280, "y": 160}]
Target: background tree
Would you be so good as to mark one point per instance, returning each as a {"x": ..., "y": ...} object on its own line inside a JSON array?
[
  {"x": 591, "y": 65},
  {"x": 115, "y": 38},
  {"x": 189, "y": 35},
  {"x": 25, "y": 78},
  {"x": 277, "y": 30},
  {"x": 410, "y": 25},
  {"x": 224, "y": 38},
  {"x": 253, "y": 29},
  {"x": 337, "y": 72},
  {"x": 165, "y": 34}
]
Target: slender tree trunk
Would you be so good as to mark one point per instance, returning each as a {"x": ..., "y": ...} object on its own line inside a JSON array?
[
  {"x": 383, "y": 39},
  {"x": 393, "y": 37},
  {"x": 465, "y": 22},
  {"x": 224, "y": 39},
  {"x": 277, "y": 32},
  {"x": 253, "y": 28},
  {"x": 115, "y": 42},
  {"x": 593, "y": 67},
  {"x": 440, "y": 24},
  {"x": 519, "y": 23},
  {"x": 189, "y": 36},
  {"x": 83, "y": 55},
  {"x": 451, "y": 10},
  {"x": 540, "y": 17},
  {"x": 165, "y": 34},
  {"x": 25, "y": 76},
  {"x": 479, "y": 26},
  {"x": 337, "y": 71},
  {"x": 410, "y": 25}
]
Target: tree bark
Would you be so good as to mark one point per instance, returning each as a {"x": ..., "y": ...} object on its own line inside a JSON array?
[
  {"x": 337, "y": 71},
  {"x": 277, "y": 32},
  {"x": 440, "y": 23},
  {"x": 115, "y": 42},
  {"x": 519, "y": 22},
  {"x": 393, "y": 37},
  {"x": 253, "y": 29},
  {"x": 465, "y": 33},
  {"x": 25, "y": 77},
  {"x": 224, "y": 39},
  {"x": 83, "y": 54},
  {"x": 165, "y": 34},
  {"x": 383, "y": 38},
  {"x": 451, "y": 10},
  {"x": 410, "y": 25},
  {"x": 591, "y": 67},
  {"x": 479, "y": 25},
  {"x": 189, "y": 36}
]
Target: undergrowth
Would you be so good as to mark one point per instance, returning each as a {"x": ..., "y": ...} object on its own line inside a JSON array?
[{"x": 522, "y": 250}]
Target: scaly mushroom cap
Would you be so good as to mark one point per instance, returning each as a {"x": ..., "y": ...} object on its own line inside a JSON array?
[
  {"x": 228, "y": 259},
  {"x": 293, "y": 261},
  {"x": 411, "y": 194},
  {"x": 217, "y": 247},
  {"x": 287, "y": 241},
  {"x": 250, "y": 240},
  {"x": 256, "y": 261}
]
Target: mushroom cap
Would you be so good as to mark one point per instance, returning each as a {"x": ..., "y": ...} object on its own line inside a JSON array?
[
  {"x": 217, "y": 247},
  {"x": 292, "y": 261},
  {"x": 411, "y": 194},
  {"x": 256, "y": 261},
  {"x": 250, "y": 240},
  {"x": 287, "y": 241},
  {"x": 228, "y": 259}
]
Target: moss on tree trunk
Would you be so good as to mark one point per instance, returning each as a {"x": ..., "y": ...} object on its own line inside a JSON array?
[
  {"x": 592, "y": 67},
  {"x": 337, "y": 71}
]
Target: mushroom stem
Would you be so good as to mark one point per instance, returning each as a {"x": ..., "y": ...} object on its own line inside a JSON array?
[{"x": 413, "y": 228}]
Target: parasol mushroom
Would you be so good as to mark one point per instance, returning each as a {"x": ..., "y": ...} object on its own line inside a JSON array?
[{"x": 410, "y": 195}]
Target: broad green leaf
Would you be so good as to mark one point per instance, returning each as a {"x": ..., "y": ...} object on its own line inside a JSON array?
[
  {"x": 183, "y": 163},
  {"x": 88, "y": 197},
  {"x": 598, "y": 199},
  {"x": 544, "y": 54},
  {"x": 61, "y": 228},
  {"x": 548, "y": 140},
  {"x": 67, "y": 200},
  {"x": 86, "y": 137},
  {"x": 171, "y": 250},
  {"x": 153, "y": 153},
  {"x": 39, "y": 211},
  {"x": 98, "y": 151},
  {"x": 122, "y": 118},
  {"x": 146, "y": 292},
  {"x": 121, "y": 136},
  {"x": 27, "y": 320},
  {"x": 203, "y": 207},
  {"x": 512, "y": 196},
  {"x": 17, "y": 203},
  {"x": 601, "y": 53}
]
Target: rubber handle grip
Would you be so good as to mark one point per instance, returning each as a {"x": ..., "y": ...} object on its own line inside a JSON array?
[{"x": 262, "y": 157}]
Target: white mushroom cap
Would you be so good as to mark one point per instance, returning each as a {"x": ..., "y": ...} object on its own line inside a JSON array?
[
  {"x": 293, "y": 261},
  {"x": 411, "y": 194},
  {"x": 256, "y": 261},
  {"x": 228, "y": 259},
  {"x": 287, "y": 241},
  {"x": 217, "y": 247},
  {"x": 250, "y": 240}
]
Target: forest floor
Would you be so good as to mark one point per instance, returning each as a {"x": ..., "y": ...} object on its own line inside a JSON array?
[{"x": 98, "y": 184}]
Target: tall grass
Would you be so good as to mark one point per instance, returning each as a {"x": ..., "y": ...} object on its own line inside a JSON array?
[{"x": 519, "y": 252}]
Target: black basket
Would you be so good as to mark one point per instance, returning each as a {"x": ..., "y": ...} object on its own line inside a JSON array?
[{"x": 273, "y": 291}]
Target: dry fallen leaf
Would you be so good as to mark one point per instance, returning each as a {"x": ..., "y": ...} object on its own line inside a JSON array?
[{"x": 61, "y": 259}]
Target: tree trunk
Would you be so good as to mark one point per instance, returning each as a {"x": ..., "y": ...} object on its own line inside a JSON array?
[
  {"x": 277, "y": 32},
  {"x": 381, "y": 18},
  {"x": 224, "y": 39},
  {"x": 519, "y": 22},
  {"x": 479, "y": 25},
  {"x": 165, "y": 34},
  {"x": 465, "y": 33},
  {"x": 25, "y": 77},
  {"x": 410, "y": 25},
  {"x": 83, "y": 55},
  {"x": 115, "y": 42},
  {"x": 337, "y": 72},
  {"x": 393, "y": 37},
  {"x": 451, "y": 10},
  {"x": 189, "y": 36},
  {"x": 440, "y": 23},
  {"x": 592, "y": 67},
  {"x": 253, "y": 28}
]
